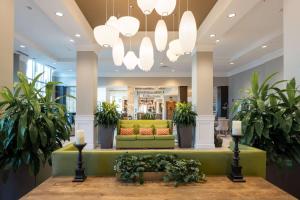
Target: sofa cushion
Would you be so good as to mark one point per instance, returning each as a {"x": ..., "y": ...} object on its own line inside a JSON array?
[
  {"x": 126, "y": 137},
  {"x": 164, "y": 137},
  {"x": 161, "y": 125},
  {"x": 146, "y": 131},
  {"x": 127, "y": 125},
  {"x": 162, "y": 131},
  {"x": 145, "y": 137},
  {"x": 126, "y": 131}
]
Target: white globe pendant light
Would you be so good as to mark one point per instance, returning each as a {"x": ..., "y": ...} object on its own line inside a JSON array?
[
  {"x": 165, "y": 7},
  {"x": 172, "y": 57},
  {"x": 175, "y": 47},
  {"x": 118, "y": 52},
  {"x": 187, "y": 32},
  {"x": 128, "y": 25},
  {"x": 106, "y": 36},
  {"x": 113, "y": 22},
  {"x": 161, "y": 35},
  {"x": 130, "y": 60},
  {"x": 146, "y": 54},
  {"x": 146, "y": 6}
]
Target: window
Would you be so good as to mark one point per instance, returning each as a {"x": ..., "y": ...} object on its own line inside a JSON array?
[
  {"x": 34, "y": 68},
  {"x": 71, "y": 102}
]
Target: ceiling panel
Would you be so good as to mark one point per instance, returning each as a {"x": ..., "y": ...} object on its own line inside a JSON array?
[{"x": 95, "y": 11}]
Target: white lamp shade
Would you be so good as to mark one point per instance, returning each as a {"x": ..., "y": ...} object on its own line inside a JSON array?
[
  {"x": 172, "y": 57},
  {"x": 118, "y": 52},
  {"x": 187, "y": 32},
  {"x": 165, "y": 7},
  {"x": 161, "y": 35},
  {"x": 146, "y": 6},
  {"x": 106, "y": 36},
  {"x": 146, "y": 54},
  {"x": 113, "y": 22},
  {"x": 128, "y": 25},
  {"x": 130, "y": 60},
  {"x": 146, "y": 69},
  {"x": 175, "y": 47}
]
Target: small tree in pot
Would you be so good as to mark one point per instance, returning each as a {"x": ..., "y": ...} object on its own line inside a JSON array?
[
  {"x": 107, "y": 118},
  {"x": 185, "y": 119}
]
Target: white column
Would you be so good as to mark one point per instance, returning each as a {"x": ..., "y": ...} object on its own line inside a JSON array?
[
  {"x": 6, "y": 43},
  {"x": 291, "y": 40},
  {"x": 202, "y": 99},
  {"x": 86, "y": 93}
]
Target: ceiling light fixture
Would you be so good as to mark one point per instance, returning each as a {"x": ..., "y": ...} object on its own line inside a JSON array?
[
  {"x": 22, "y": 46},
  {"x": 264, "y": 46},
  {"x": 60, "y": 14},
  {"x": 161, "y": 35},
  {"x": 118, "y": 52},
  {"x": 232, "y": 63},
  {"x": 212, "y": 35},
  {"x": 77, "y": 35},
  {"x": 165, "y": 7},
  {"x": 231, "y": 15},
  {"x": 176, "y": 47},
  {"x": 71, "y": 40},
  {"x": 128, "y": 25},
  {"x": 130, "y": 60},
  {"x": 217, "y": 41},
  {"x": 187, "y": 31},
  {"x": 146, "y": 6}
]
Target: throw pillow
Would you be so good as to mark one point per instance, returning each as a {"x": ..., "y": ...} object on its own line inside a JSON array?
[
  {"x": 146, "y": 131},
  {"x": 126, "y": 131},
  {"x": 162, "y": 131}
]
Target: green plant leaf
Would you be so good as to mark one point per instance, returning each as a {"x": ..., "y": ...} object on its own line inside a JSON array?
[
  {"x": 259, "y": 126},
  {"x": 33, "y": 133},
  {"x": 22, "y": 127}
]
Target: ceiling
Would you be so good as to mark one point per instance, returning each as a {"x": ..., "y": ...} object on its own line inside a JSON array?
[
  {"x": 95, "y": 12},
  {"x": 47, "y": 37}
]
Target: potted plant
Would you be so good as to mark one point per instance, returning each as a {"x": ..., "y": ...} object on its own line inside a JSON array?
[
  {"x": 107, "y": 118},
  {"x": 32, "y": 126},
  {"x": 185, "y": 119},
  {"x": 270, "y": 117}
]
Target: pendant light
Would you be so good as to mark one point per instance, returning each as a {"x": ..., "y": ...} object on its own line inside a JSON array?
[
  {"x": 171, "y": 56},
  {"x": 128, "y": 25},
  {"x": 176, "y": 48},
  {"x": 165, "y": 7},
  {"x": 146, "y": 52},
  {"x": 106, "y": 35},
  {"x": 146, "y": 6},
  {"x": 118, "y": 52},
  {"x": 161, "y": 35},
  {"x": 187, "y": 31},
  {"x": 113, "y": 20},
  {"x": 130, "y": 60}
]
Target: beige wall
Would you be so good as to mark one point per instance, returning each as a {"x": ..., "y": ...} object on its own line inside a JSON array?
[{"x": 6, "y": 43}]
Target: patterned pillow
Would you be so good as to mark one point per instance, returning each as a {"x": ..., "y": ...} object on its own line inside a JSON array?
[
  {"x": 146, "y": 131},
  {"x": 126, "y": 131},
  {"x": 162, "y": 131}
]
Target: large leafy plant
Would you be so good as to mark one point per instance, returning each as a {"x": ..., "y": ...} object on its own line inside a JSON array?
[
  {"x": 184, "y": 114},
  {"x": 107, "y": 115},
  {"x": 270, "y": 119},
  {"x": 32, "y": 125}
]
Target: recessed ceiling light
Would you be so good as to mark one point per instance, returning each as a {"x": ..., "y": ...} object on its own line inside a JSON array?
[
  {"x": 71, "y": 40},
  {"x": 231, "y": 15},
  {"x": 22, "y": 46},
  {"x": 60, "y": 14},
  {"x": 232, "y": 63},
  {"x": 212, "y": 35},
  {"x": 217, "y": 41},
  {"x": 264, "y": 46},
  {"x": 77, "y": 35}
]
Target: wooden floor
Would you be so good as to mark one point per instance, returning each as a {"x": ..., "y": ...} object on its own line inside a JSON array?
[{"x": 216, "y": 188}]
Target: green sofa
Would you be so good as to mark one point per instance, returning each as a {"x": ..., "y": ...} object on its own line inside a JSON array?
[
  {"x": 137, "y": 141},
  {"x": 215, "y": 162}
]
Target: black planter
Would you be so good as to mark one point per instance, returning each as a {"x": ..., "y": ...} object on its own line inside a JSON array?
[
  {"x": 186, "y": 136},
  {"x": 285, "y": 178},
  {"x": 21, "y": 182},
  {"x": 106, "y": 137}
]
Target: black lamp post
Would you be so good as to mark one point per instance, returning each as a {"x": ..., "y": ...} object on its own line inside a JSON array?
[{"x": 79, "y": 172}]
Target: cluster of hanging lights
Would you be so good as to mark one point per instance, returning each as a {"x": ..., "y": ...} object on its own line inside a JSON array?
[{"x": 108, "y": 35}]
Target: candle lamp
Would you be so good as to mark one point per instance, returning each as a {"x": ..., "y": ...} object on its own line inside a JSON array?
[
  {"x": 79, "y": 172},
  {"x": 236, "y": 170}
]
